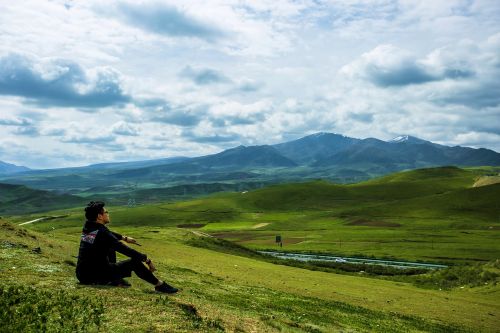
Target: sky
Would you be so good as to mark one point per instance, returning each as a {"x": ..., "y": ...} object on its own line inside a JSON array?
[{"x": 84, "y": 82}]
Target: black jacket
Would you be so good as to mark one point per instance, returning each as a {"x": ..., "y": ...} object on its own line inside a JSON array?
[{"x": 96, "y": 243}]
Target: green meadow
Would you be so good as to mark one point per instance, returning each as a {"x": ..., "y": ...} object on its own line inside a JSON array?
[{"x": 442, "y": 215}]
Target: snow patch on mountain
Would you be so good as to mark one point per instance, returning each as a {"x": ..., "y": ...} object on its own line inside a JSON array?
[
  {"x": 407, "y": 139},
  {"x": 401, "y": 138}
]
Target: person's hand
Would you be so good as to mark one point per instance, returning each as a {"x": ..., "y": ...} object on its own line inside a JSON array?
[
  {"x": 152, "y": 267},
  {"x": 130, "y": 240}
]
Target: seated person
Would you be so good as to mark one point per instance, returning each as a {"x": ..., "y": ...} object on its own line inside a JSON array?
[{"x": 97, "y": 257}]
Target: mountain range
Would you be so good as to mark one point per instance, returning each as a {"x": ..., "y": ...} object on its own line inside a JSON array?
[
  {"x": 333, "y": 150},
  {"x": 7, "y": 168},
  {"x": 316, "y": 150},
  {"x": 322, "y": 155}
]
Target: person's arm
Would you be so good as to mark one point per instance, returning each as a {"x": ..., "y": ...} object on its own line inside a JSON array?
[
  {"x": 129, "y": 252},
  {"x": 117, "y": 235},
  {"x": 126, "y": 239},
  {"x": 124, "y": 249}
]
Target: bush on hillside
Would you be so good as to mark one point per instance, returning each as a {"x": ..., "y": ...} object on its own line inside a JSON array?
[
  {"x": 460, "y": 276},
  {"x": 368, "y": 268},
  {"x": 26, "y": 309},
  {"x": 222, "y": 245}
]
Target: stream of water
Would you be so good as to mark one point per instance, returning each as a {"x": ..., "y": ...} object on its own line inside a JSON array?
[{"x": 352, "y": 260}]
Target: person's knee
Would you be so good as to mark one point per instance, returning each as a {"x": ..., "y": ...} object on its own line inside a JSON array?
[
  {"x": 136, "y": 262},
  {"x": 112, "y": 256}
]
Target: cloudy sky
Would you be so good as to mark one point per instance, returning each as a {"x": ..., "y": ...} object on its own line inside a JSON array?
[{"x": 86, "y": 82}]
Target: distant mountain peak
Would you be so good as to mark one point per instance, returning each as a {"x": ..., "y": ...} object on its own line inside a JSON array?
[
  {"x": 243, "y": 156},
  {"x": 406, "y": 138},
  {"x": 8, "y": 168},
  {"x": 320, "y": 134},
  {"x": 313, "y": 147},
  {"x": 240, "y": 147}
]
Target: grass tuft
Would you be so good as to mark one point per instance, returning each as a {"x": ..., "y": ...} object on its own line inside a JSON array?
[{"x": 26, "y": 309}]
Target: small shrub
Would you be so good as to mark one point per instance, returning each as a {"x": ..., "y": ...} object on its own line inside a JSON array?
[
  {"x": 26, "y": 309},
  {"x": 458, "y": 276},
  {"x": 192, "y": 313},
  {"x": 215, "y": 324}
]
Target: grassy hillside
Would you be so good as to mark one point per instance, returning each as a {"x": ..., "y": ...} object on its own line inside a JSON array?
[
  {"x": 19, "y": 199},
  {"x": 219, "y": 292},
  {"x": 397, "y": 186},
  {"x": 429, "y": 215}
]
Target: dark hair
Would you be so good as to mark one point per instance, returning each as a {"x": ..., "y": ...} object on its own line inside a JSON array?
[{"x": 93, "y": 209}]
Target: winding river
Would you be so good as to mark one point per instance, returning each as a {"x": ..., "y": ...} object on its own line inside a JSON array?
[{"x": 352, "y": 260}]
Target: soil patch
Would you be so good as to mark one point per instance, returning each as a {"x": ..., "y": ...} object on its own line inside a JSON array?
[
  {"x": 201, "y": 234},
  {"x": 239, "y": 236},
  {"x": 193, "y": 225},
  {"x": 260, "y": 225},
  {"x": 486, "y": 180},
  {"x": 371, "y": 223}
]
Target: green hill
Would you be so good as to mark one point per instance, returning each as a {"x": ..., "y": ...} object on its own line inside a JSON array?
[
  {"x": 19, "y": 199},
  {"x": 325, "y": 195},
  {"x": 428, "y": 214}
]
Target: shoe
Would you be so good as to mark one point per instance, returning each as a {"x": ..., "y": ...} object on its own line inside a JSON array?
[
  {"x": 120, "y": 283},
  {"x": 166, "y": 288}
]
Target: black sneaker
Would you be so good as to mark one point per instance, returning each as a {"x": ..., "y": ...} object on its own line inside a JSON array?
[
  {"x": 120, "y": 283},
  {"x": 166, "y": 288}
]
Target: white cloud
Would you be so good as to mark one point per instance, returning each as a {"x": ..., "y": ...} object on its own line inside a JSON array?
[
  {"x": 474, "y": 139},
  {"x": 59, "y": 82},
  {"x": 277, "y": 71},
  {"x": 460, "y": 94},
  {"x": 123, "y": 128},
  {"x": 11, "y": 121}
]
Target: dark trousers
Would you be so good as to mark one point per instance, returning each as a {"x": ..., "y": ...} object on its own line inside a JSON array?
[{"x": 126, "y": 267}]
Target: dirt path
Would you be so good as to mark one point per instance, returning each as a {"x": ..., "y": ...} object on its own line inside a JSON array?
[
  {"x": 486, "y": 180},
  {"x": 35, "y": 220},
  {"x": 43, "y": 219},
  {"x": 202, "y": 234},
  {"x": 260, "y": 225}
]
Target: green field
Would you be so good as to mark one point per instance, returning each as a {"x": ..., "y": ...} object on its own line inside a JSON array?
[{"x": 432, "y": 215}]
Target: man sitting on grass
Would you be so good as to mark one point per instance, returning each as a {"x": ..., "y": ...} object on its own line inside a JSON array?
[{"x": 97, "y": 257}]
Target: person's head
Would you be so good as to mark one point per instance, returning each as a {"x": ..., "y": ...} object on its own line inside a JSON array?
[{"x": 95, "y": 212}]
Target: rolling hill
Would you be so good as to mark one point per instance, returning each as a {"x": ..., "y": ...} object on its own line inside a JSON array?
[
  {"x": 19, "y": 199},
  {"x": 421, "y": 214},
  {"x": 326, "y": 195}
]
